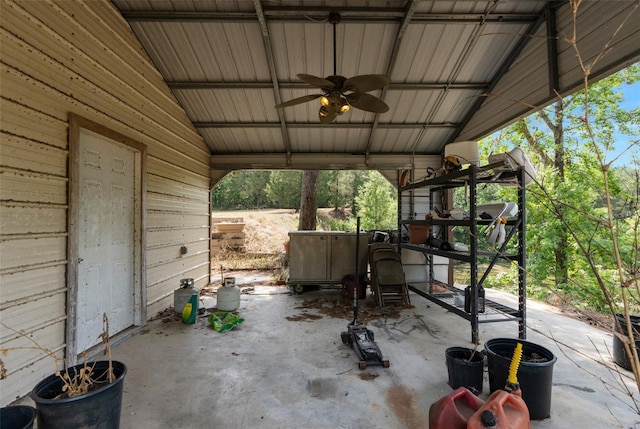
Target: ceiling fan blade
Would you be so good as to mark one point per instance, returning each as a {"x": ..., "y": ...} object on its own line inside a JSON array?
[
  {"x": 367, "y": 102},
  {"x": 316, "y": 81},
  {"x": 366, "y": 82},
  {"x": 298, "y": 100}
]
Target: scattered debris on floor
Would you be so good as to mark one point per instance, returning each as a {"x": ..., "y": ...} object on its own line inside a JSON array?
[
  {"x": 368, "y": 376},
  {"x": 167, "y": 315},
  {"x": 303, "y": 316},
  {"x": 343, "y": 309}
]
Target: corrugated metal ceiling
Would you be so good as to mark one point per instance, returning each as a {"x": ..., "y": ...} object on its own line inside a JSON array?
[{"x": 459, "y": 70}]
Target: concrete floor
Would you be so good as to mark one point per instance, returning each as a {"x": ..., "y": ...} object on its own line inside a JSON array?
[{"x": 272, "y": 372}]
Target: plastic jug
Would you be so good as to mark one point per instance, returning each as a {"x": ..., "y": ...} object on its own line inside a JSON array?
[
  {"x": 503, "y": 410},
  {"x": 454, "y": 410},
  {"x": 190, "y": 311}
]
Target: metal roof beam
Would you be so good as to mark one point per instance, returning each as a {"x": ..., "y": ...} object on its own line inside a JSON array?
[
  {"x": 552, "y": 49},
  {"x": 354, "y": 125},
  {"x": 457, "y": 68},
  {"x": 506, "y": 65},
  {"x": 406, "y": 20},
  {"x": 296, "y": 14},
  {"x": 318, "y": 161},
  {"x": 272, "y": 71},
  {"x": 185, "y": 85}
]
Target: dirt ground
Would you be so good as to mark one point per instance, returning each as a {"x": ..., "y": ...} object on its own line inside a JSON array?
[{"x": 266, "y": 231}]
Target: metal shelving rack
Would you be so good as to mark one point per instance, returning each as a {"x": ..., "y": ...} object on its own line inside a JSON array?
[{"x": 444, "y": 295}]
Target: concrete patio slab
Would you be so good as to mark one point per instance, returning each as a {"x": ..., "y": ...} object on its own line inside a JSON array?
[{"x": 285, "y": 366}]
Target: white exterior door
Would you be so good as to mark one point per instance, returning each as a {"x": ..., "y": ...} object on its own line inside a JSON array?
[{"x": 106, "y": 234}]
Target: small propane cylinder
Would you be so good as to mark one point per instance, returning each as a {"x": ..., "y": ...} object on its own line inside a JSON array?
[
  {"x": 228, "y": 296},
  {"x": 454, "y": 410},
  {"x": 183, "y": 294}
]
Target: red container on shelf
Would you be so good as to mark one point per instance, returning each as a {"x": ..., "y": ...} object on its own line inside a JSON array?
[{"x": 418, "y": 234}]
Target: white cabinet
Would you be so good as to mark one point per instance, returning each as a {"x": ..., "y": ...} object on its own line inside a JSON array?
[
  {"x": 319, "y": 257},
  {"x": 308, "y": 256}
]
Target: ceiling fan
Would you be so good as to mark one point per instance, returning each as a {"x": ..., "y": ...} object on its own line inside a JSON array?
[{"x": 339, "y": 93}]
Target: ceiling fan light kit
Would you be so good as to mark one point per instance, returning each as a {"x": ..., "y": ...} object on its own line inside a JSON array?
[{"x": 339, "y": 93}]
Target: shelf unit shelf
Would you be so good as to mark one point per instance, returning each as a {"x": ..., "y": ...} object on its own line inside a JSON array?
[{"x": 447, "y": 295}]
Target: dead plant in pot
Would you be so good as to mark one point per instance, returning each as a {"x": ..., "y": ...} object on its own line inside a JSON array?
[{"x": 87, "y": 395}]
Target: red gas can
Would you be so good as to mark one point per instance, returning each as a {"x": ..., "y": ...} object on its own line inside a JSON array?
[
  {"x": 503, "y": 410},
  {"x": 454, "y": 410}
]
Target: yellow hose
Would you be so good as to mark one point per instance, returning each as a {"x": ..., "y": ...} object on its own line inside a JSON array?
[{"x": 515, "y": 363}]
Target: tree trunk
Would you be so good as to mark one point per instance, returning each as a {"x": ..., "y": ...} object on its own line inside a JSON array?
[
  {"x": 555, "y": 124},
  {"x": 562, "y": 260},
  {"x": 308, "y": 201}
]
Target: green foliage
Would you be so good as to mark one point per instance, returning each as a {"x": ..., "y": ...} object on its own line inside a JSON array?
[
  {"x": 567, "y": 207},
  {"x": 241, "y": 190},
  {"x": 377, "y": 203},
  {"x": 330, "y": 223},
  {"x": 506, "y": 279},
  {"x": 335, "y": 188},
  {"x": 283, "y": 189}
]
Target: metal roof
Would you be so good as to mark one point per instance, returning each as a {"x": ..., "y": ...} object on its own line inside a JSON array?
[{"x": 459, "y": 70}]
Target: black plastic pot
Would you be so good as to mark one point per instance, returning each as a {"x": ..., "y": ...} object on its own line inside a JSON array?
[
  {"x": 465, "y": 368},
  {"x": 619, "y": 353},
  {"x": 535, "y": 377},
  {"x": 98, "y": 409},
  {"x": 17, "y": 417}
]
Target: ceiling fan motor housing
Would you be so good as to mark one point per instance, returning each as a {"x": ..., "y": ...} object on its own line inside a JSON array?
[
  {"x": 333, "y": 103},
  {"x": 341, "y": 93},
  {"x": 334, "y": 17}
]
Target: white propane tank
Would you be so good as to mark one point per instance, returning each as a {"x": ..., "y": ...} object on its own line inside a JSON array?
[
  {"x": 228, "y": 296},
  {"x": 183, "y": 294}
]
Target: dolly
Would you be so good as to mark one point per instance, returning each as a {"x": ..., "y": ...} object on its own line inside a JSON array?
[{"x": 357, "y": 336}]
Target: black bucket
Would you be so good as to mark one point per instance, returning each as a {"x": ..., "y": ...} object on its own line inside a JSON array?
[
  {"x": 535, "y": 377},
  {"x": 619, "y": 353},
  {"x": 465, "y": 368},
  {"x": 17, "y": 417},
  {"x": 98, "y": 409}
]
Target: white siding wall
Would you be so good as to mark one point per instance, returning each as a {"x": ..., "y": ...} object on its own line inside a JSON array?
[{"x": 78, "y": 57}]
